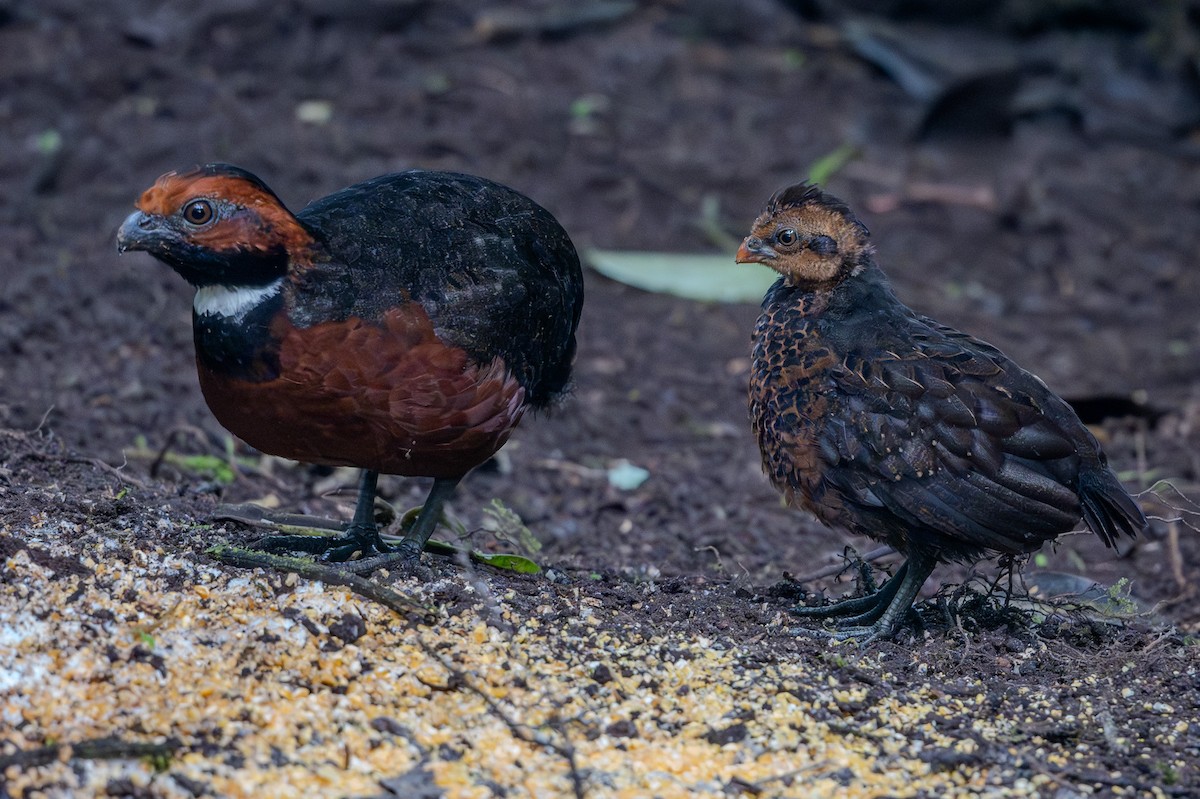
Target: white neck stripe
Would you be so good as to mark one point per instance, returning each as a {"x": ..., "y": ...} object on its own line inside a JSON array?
[{"x": 233, "y": 301}]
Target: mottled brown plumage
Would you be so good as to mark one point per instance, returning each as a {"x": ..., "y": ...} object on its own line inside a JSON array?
[{"x": 891, "y": 425}]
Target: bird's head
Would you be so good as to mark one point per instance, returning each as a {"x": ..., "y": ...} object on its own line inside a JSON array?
[
  {"x": 812, "y": 239},
  {"x": 216, "y": 225}
]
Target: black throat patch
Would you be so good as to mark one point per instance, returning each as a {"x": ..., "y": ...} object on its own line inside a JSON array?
[{"x": 240, "y": 346}]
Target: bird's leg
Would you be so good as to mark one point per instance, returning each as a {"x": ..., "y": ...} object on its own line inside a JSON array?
[
  {"x": 920, "y": 566},
  {"x": 858, "y": 605},
  {"x": 888, "y": 611},
  {"x": 361, "y": 535},
  {"x": 406, "y": 554},
  {"x": 413, "y": 543}
]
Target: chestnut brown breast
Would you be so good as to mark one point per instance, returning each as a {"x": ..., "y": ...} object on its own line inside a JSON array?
[
  {"x": 388, "y": 396},
  {"x": 789, "y": 400}
]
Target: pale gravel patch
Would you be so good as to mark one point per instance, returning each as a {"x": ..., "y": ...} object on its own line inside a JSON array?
[{"x": 241, "y": 669}]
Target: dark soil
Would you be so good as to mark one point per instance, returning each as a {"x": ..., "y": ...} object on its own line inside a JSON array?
[{"x": 1040, "y": 189}]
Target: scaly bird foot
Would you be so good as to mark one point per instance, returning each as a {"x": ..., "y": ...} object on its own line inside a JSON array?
[{"x": 337, "y": 549}]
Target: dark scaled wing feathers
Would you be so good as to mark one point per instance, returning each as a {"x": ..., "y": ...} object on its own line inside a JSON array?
[
  {"x": 495, "y": 272},
  {"x": 984, "y": 464}
]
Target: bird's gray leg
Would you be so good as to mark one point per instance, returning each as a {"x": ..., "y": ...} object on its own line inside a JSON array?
[
  {"x": 362, "y": 531},
  {"x": 411, "y": 546},
  {"x": 857, "y": 605},
  {"x": 907, "y": 584},
  {"x": 361, "y": 535}
]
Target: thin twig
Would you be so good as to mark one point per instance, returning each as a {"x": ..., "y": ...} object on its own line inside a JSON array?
[
  {"x": 42, "y": 423},
  {"x": 115, "y": 471},
  {"x": 1157, "y": 491},
  {"x": 838, "y": 568},
  {"x": 94, "y": 462},
  {"x": 521, "y": 730},
  {"x": 761, "y": 785},
  {"x": 316, "y": 527},
  {"x": 294, "y": 523},
  {"x": 1176, "y": 556},
  {"x": 94, "y": 749},
  {"x": 983, "y": 197},
  {"x": 253, "y": 559},
  {"x": 716, "y": 554},
  {"x": 1139, "y": 448},
  {"x": 555, "y": 20},
  {"x": 161, "y": 457}
]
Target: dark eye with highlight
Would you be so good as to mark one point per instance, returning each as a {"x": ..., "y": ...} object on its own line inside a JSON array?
[
  {"x": 786, "y": 237},
  {"x": 198, "y": 212},
  {"x": 823, "y": 245}
]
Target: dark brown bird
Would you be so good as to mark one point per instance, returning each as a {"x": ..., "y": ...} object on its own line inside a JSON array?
[
  {"x": 891, "y": 425},
  {"x": 402, "y": 325}
]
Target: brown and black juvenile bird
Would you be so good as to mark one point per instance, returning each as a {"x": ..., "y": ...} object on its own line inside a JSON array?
[
  {"x": 402, "y": 325},
  {"x": 891, "y": 425}
]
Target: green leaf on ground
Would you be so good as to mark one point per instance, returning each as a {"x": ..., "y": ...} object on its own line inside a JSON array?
[
  {"x": 830, "y": 164},
  {"x": 512, "y": 563},
  {"x": 708, "y": 278},
  {"x": 497, "y": 560},
  {"x": 210, "y": 466}
]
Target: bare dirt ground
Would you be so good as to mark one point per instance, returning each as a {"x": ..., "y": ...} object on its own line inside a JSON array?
[{"x": 1030, "y": 176}]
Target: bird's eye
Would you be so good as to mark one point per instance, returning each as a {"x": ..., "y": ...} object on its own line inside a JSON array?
[
  {"x": 787, "y": 237},
  {"x": 823, "y": 245},
  {"x": 198, "y": 212}
]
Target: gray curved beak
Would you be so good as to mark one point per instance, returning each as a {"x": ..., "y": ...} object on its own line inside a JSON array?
[{"x": 137, "y": 232}]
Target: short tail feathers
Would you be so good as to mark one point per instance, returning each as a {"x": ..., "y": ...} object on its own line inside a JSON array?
[{"x": 1108, "y": 510}]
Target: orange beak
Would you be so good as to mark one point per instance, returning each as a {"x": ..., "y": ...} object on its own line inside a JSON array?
[{"x": 754, "y": 251}]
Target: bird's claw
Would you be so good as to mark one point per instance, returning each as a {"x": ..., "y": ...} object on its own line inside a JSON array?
[
  {"x": 854, "y": 608},
  {"x": 403, "y": 559},
  {"x": 308, "y": 544},
  {"x": 356, "y": 541},
  {"x": 343, "y": 553},
  {"x": 859, "y": 635},
  {"x": 360, "y": 540},
  {"x": 860, "y": 628}
]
